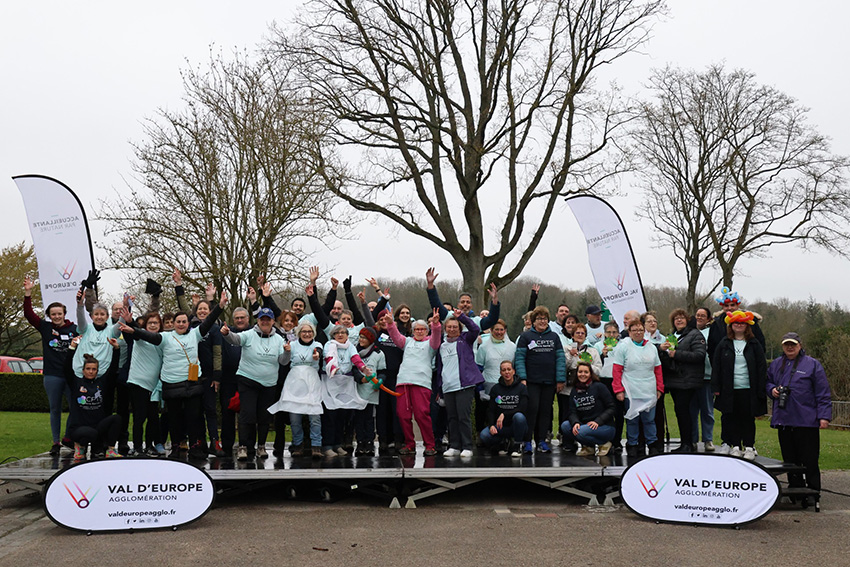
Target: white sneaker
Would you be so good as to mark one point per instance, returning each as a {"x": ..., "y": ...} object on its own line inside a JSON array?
[
  {"x": 330, "y": 453},
  {"x": 466, "y": 453},
  {"x": 736, "y": 452},
  {"x": 451, "y": 453},
  {"x": 724, "y": 449},
  {"x": 750, "y": 453},
  {"x": 708, "y": 446}
]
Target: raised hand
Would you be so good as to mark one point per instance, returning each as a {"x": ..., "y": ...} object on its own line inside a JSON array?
[
  {"x": 431, "y": 277},
  {"x": 494, "y": 293},
  {"x": 252, "y": 295},
  {"x": 80, "y": 296},
  {"x": 535, "y": 288},
  {"x": 114, "y": 342},
  {"x": 28, "y": 285},
  {"x": 267, "y": 289},
  {"x": 314, "y": 274},
  {"x": 196, "y": 299},
  {"x": 125, "y": 313},
  {"x": 346, "y": 284},
  {"x": 225, "y": 330},
  {"x": 222, "y": 302},
  {"x": 458, "y": 313},
  {"x": 387, "y": 293},
  {"x": 334, "y": 283},
  {"x": 210, "y": 291},
  {"x": 126, "y": 329},
  {"x": 374, "y": 283},
  {"x": 177, "y": 277},
  {"x": 361, "y": 295},
  {"x": 261, "y": 279},
  {"x": 309, "y": 290}
]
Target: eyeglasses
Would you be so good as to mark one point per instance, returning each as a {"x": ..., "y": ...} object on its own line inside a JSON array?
[{"x": 636, "y": 330}]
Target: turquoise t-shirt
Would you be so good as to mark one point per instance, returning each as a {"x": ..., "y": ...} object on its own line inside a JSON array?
[
  {"x": 376, "y": 361},
  {"x": 175, "y": 361},
  {"x": 259, "y": 360},
  {"x": 95, "y": 343},
  {"x": 741, "y": 377},
  {"x": 145, "y": 365}
]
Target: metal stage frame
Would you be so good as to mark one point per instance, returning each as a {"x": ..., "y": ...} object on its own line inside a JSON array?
[{"x": 394, "y": 479}]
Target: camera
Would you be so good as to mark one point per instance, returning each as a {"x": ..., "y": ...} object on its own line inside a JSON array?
[{"x": 784, "y": 392}]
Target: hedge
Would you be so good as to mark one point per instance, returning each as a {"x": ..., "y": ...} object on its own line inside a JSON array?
[{"x": 24, "y": 392}]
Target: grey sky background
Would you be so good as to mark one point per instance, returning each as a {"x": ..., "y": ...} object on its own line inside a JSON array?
[{"x": 79, "y": 79}]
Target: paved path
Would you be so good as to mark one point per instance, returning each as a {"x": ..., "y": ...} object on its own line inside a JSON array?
[{"x": 495, "y": 523}]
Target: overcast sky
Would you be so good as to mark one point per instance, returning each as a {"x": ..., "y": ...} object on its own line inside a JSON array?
[{"x": 79, "y": 78}]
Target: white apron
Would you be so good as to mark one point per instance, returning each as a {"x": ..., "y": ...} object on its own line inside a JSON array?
[
  {"x": 639, "y": 378},
  {"x": 340, "y": 392},
  {"x": 302, "y": 392}
]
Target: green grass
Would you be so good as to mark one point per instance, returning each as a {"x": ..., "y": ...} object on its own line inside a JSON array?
[
  {"x": 24, "y": 434},
  {"x": 834, "y": 443}
]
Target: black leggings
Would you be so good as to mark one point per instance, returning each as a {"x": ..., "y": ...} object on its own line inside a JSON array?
[
  {"x": 739, "y": 425},
  {"x": 226, "y": 391},
  {"x": 540, "y": 400},
  {"x": 144, "y": 410},
  {"x": 184, "y": 416},
  {"x": 104, "y": 434},
  {"x": 682, "y": 405},
  {"x": 254, "y": 418}
]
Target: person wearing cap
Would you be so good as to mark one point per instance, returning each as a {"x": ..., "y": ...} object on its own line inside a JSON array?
[
  {"x": 802, "y": 406},
  {"x": 364, "y": 420},
  {"x": 729, "y": 302},
  {"x": 595, "y": 330},
  {"x": 738, "y": 378},
  {"x": 263, "y": 351}
]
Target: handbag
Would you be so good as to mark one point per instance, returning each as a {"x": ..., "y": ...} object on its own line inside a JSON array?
[{"x": 194, "y": 367}]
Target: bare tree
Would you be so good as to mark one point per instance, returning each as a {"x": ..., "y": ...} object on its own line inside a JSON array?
[
  {"x": 465, "y": 123},
  {"x": 229, "y": 190},
  {"x": 732, "y": 168}
]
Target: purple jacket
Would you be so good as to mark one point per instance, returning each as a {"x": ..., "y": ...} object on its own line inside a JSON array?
[
  {"x": 470, "y": 374},
  {"x": 809, "y": 400}
]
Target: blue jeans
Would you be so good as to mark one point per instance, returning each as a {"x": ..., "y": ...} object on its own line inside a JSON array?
[
  {"x": 298, "y": 429},
  {"x": 647, "y": 417},
  {"x": 702, "y": 410},
  {"x": 515, "y": 431},
  {"x": 587, "y": 436},
  {"x": 56, "y": 387}
]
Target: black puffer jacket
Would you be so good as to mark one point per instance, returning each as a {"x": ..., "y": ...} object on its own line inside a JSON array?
[{"x": 685, "y": 370}]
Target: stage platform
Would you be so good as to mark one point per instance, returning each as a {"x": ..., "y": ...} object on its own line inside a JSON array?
[{"x": 399, "y": 480}]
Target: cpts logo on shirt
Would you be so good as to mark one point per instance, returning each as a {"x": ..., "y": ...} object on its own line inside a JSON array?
[{"x": 128, "y": 494}]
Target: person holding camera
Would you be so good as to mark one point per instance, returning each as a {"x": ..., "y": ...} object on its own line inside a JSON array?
[{"x": 802, "y": 406}]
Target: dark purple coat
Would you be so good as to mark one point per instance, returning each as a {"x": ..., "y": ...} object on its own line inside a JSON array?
[
  {"x": 809, "y": 400},
  {"x": 470, "y": 374}
]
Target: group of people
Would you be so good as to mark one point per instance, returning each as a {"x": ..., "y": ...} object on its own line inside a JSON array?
[{"x": 368, "y": 372}]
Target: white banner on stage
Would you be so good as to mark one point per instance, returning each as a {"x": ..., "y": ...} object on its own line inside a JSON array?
[
  {"x": 699, "y": 489},
  {"x": 610, "y": 254},
  {"x": 128, "y": 494},
  {"x": 60, "y": 235}
]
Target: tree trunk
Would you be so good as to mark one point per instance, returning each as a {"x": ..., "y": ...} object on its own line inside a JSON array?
[{"x": 472, "y": 270}]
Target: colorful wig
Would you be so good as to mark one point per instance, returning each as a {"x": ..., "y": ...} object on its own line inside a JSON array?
[{"x": 741, "y": 317}]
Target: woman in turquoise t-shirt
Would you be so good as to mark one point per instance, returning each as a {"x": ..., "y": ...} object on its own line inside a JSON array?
[{"x": 181, "y": 390}]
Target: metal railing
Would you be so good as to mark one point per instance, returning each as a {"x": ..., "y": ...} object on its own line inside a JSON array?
[{"x": 840, "y": 414}]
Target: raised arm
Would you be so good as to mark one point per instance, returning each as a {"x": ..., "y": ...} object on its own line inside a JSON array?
[
  {"x": 322, "y": 320},
  {"x": 82, "y": 324},
  {"x": 532, "y": 300},
  {"x": 210, "y": 320},
  {"x": 353, "y": 306},
  {"x": 493, "y": 316},
  {"x": 433, "y": 296},
  {"x": 29, "y": 314}
]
